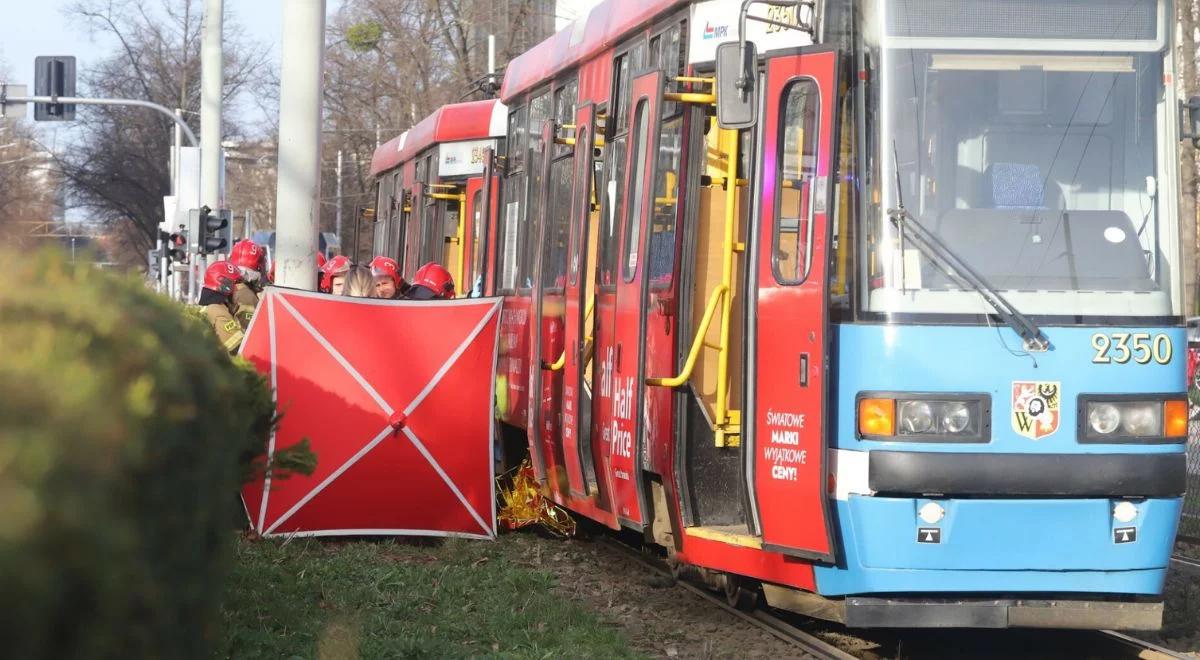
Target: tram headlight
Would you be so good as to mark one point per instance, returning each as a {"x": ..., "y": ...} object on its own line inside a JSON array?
[
  {"x": 940, "y": 420},
  {"x": 1104, "y": 418},
  {"x": 930, "y": 418},
  {"x": 1126, "y": 419},
  {"x": 1142, "y": 419},
  {"x": 956, "y": 417},
  {"x": 916, "y": 417}
]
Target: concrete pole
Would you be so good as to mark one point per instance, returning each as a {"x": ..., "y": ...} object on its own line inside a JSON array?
[
  {"x": 212, "y": 70},
  {"x": 299, "y": 190},
  {"x": 339, "y": 195}
]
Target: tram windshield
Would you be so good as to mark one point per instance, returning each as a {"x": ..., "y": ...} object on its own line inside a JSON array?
[{"x": 1042, "y": 163}]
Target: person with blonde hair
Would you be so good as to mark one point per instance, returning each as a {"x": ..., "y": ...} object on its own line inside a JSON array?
[{"x": 359, "y": 283}]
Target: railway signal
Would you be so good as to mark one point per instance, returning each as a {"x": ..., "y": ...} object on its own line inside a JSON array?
[{"x": 54, "y": 76}]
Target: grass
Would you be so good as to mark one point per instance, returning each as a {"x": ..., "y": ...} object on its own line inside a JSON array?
[{"x": 375, "y": 599}]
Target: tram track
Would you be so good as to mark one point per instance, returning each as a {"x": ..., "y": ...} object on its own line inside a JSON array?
[
  {"x": 808, "y": 643},
  {"x": 918, "y": 643},
  {"x": 1186, "y": 564}
]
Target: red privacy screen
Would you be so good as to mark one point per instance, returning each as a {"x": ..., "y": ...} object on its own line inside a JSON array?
[{"x": 395, "y": 399}]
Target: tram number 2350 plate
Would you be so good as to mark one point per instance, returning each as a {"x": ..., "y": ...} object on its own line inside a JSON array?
[{"x": 1137, "y": 347}]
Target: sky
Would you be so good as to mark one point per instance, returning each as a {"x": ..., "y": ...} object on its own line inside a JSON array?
[{"x": 39, "y": 27}]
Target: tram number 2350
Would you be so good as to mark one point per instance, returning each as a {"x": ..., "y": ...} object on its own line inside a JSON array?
[{"x": 1126, "y": 347}]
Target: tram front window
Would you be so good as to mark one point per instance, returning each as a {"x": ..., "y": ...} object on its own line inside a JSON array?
[{"x": 1044, "y": 170}]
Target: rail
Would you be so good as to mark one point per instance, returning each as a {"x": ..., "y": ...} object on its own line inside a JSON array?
[{"x": 776, "y": 627}]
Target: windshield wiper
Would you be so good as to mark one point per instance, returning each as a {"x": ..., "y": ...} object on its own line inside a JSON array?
[
  {"x": 940, "y": 254},
  {"x": 943, "y": 256}
]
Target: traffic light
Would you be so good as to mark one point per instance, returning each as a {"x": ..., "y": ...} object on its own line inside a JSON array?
[
  {"x": 54, "y": 76},
  {"x": 176, "y": 245},
  {"x": 212, "y": 238}
]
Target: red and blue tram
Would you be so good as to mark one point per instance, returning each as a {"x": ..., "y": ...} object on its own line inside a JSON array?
[{"x": 872, "y": 308}]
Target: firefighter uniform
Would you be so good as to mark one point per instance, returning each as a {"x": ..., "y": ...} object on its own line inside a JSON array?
[
  {"x": 217, "y": 300},
  {"x": 245, "y": 301},
  {"x": 225, "y": 322}
]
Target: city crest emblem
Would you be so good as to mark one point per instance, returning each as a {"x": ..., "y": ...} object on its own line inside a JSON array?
[{"x": 1036, "y": 408}]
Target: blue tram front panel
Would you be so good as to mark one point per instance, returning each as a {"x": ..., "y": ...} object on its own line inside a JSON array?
[{"x": 1011, "y": 540}]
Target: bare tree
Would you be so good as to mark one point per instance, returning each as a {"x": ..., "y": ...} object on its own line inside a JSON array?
[
  {"x": 29, "y": 184},
  {"x": 392, "y": 62},
  {"x": 118, "y": 169}
]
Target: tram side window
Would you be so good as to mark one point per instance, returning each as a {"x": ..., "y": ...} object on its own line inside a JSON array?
[
  {"x": 383, "y": 199},
  {"x": 558, "y": 216},
  {"x": 476, "y": 271},
  {"x": 539, "y": 112},
  {"x": 511, "y": 236},
  {"x": 666, "y": 49},
  {"x": 613, "y": 192},
  {"x": 637, "y": 184},
  {"x": 797, "y": 160},
  {"x": 582, "y": 202},
  {"x": 396, "y": 217}
]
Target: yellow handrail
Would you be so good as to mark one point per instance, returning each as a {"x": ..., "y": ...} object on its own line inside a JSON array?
[
  {"x": 690, "y": 97},
  {"x": 689, "y": 365},
  {"x": 562, "y": 359},
  {"x": 730, "y": 137},
  {"x": 461, "y": 198}
]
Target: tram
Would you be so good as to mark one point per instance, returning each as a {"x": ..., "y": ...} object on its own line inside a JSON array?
[
  {"x": 435, "y": 193},
  {"x": 870, "y": 310}
]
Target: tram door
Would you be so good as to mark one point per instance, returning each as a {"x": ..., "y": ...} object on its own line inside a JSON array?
[
  {"x": 577, "y": 445},
  {"x": 473, "y": 248},
  {"x": 627, "y": 372},
  {"x": 553, "y": 222},
  {"x": 787, "y": 454}
]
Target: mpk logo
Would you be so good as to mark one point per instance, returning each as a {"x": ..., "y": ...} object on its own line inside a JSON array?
[{"x": 1036, "y": 408}]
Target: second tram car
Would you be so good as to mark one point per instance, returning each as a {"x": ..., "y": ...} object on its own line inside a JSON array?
[
  {"x": 435, "y": 193},
  {"x": 877, "y": 316}
]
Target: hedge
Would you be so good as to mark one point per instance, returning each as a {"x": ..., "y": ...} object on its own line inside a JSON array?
[{"x": 124, "y": 433}]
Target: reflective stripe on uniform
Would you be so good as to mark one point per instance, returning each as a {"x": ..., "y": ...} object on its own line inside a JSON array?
[{"x": 234, "y": 341}]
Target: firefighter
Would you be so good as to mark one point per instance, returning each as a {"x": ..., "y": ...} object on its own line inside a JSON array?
[
  {"x": 388, "y": 283},
  {"x": 248, "y": 257},
  {"x": 333, "y": 274},
  {"x": 216, "y": 298},
  {"x": 431, "y": 282}
]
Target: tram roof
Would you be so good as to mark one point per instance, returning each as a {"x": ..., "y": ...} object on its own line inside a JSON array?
[
  {"x": 474, "y": 120},
  {"x": 604, "y": 27}
]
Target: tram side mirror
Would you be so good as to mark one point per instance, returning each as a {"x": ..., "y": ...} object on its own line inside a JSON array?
[
  {"x": 1193, "y": 120},
  {"x": 736, "y": 79}
]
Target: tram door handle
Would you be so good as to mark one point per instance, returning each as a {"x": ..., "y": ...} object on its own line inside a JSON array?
[
  {"x": 804, "y": 370},
  {"x": 618, "y": 357}
]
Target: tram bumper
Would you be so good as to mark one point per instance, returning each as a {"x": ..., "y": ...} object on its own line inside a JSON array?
[
  {"x": 977, "y": 612},
  {"x": 992, "y": 613}
]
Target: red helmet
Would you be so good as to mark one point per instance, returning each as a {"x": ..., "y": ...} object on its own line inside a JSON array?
[
  {"x": 247, "y": 254},
  {"x": 387, "y": 267},
  {"x": 339, "y": 265},
  {"x": 435, "y": 279},
  {"x": 221, "y": 277}
]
